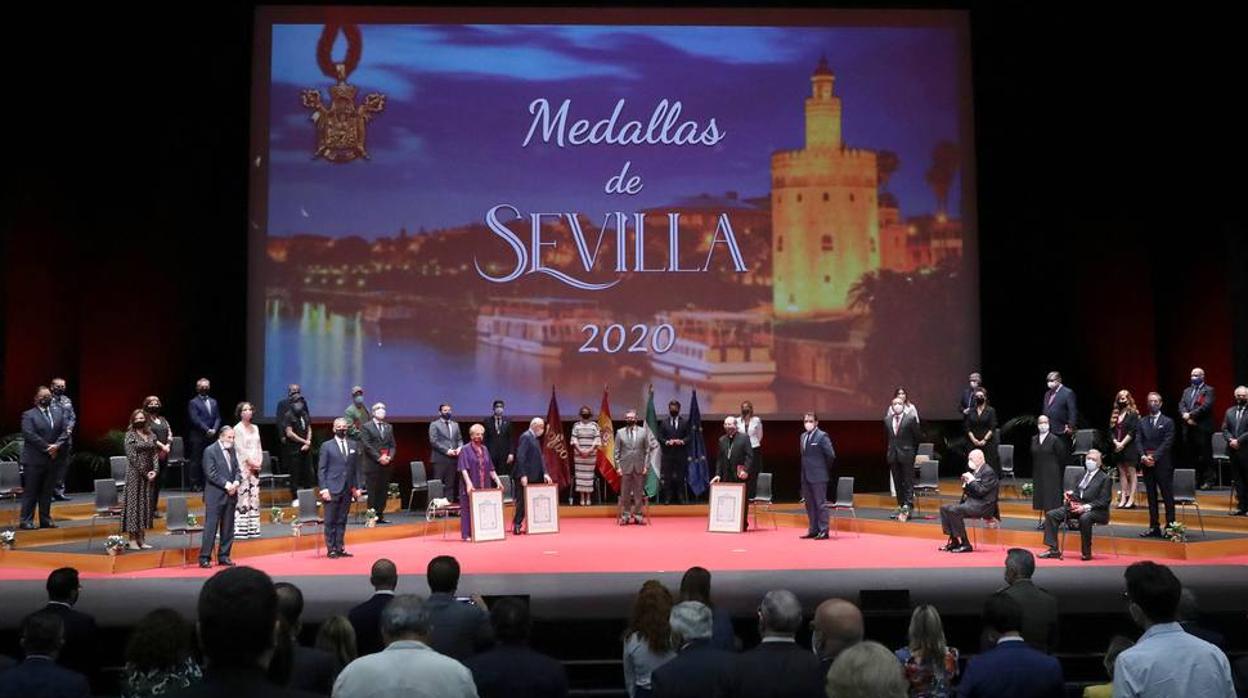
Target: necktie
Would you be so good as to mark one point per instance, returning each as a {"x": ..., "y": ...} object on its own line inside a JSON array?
[
  {"x": 498, "y": 425},
  {"x": 1052, "y": 394},
  {"x": 896, "y": 424},
  {"x": 342, "y": 446},
  {"x": 229, "y": 460},
  {"x": 48, "y": 413}
]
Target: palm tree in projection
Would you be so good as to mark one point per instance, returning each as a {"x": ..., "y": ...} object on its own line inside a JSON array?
[
  {"x": 886, "y": 163},
  {"x": 940, "y": 175}
]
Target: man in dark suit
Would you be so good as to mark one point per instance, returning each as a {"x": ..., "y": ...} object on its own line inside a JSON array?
[
  {"x": 735, "y": 462},
  {"x": 79, "y": 650},
  {"x": 1235, "y": 429},
  {"x": 778, "y": 666},
  {"x": 311, "y": 669},
  {"x": 817, "y": 458},
  {"x": 39, "y": 676},
  {"x": 1059, "y": 406},
  {"x": 673, "y": 435},
  {"x": 205, "y": 418},
  {"x": 1196, "y": 416},
  {"x": 512, "y": 669},
  {"x": 366, "y": 617},
  {"x": 979, "y": 501},
  {"x": 498, "y": 440},
  {"x": 902, "y": 429},
  {"x": 1156, "y": 437},
  {"x": 377, "y": 437},
  {"x": 1039, "y": 607},
  {"x": 968, "y": 393},
  {"x": 293, "y": 394},
  {"x": 445, "y": 441},
  {"x": 339, "y": 477},
  {"x": 1010, "y": 667},
  {"x": 44, "y": 439},
  {"x": 460, "y": 629},
  {"x": 698, "y": 666},
  {"x": 222, "y": 477},
  {"x": 1088, "y": 503},
  {"x": 237, "y": 628},
  {"x": 529, "y": 467}
]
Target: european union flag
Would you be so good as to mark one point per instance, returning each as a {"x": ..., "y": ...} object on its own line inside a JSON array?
[{"x": 699, "y": 477}]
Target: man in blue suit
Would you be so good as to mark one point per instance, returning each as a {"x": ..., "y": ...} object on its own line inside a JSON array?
[
  {"x": 205, "y": 418},
  {"x": 1010, "y": 667},
  {"x": 223, "y": 476},
  {"x": 38, "y": 676},
  {"x": 44, "y": 444},
  {"x": 339, "y": 477},
  {"x": 1059, "y": 406},
  {"x": 817, "y": 459},
  {"x": 1156, "y": 435},
  {"x": 529, "y": 466}
]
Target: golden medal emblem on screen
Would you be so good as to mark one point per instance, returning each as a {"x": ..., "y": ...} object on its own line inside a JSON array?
[{"x": 341, "y": 126}]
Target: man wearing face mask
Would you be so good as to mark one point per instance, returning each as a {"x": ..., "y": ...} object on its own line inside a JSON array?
[
  {"x": 498, "y": 439},
  {"x": 734, "y": 463},
  {"x": 1235, "y": 429},
  {"x": 632, "y": 458},
  {"x": 902, "y": 430},
  {"x": 979, "y": 501},
  {"x": 293, "y": 393},
  {"x": 223, "y": 477},
  {"x": 1048, "y": 463},
  {"x": 968, "y": 393},
  {"x": 205, "y": 418},
  {"x": 1156, "y": 436},
  {"x": 1196, "y": 416},
  {"x": 445, "y": 441},
  {"x": 356, "y": 413},
  {"x": 377, "y": 437},
  {"x": 1088, "y": 503},
  {"x": 61, "y": 400},
  {"x": 673, "y": 433},
  {"x": 817, "y": 458},
  {"x": 339, "y": 475},
  {"x": 529, "y": 466},
  {"x": 1059, "y": 406},
  {"x": 295, "y": 426},
  {"x": 44, "y": 438}
]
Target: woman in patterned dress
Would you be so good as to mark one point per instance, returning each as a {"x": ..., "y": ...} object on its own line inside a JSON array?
[
  {"x": 140, "y": 444},
  {"x": 929, "y": 664},
  {"x": 250, "y": 452},
  {"x": 158, "y": 656},
  {"x": 586, "y": 439}
]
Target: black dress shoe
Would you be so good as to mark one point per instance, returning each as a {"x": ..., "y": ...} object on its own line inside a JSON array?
[
  {"x": 343, "y": 553},
  {"x": 964, "y": 548},
  {"x": 953, "y": 543},
  {"x": 1151, "y": 533},
  {"x": 27, "y": 527},
  {"x": 1085, "y": 558},
  {"x": 822, "y": 535},
  {"x": 205, "y": 564},
  {"x": 1050, "y": 555},
  {"x": 50, "y": 524},
  {"x": 333, "y": 555},
  {"x": 225, "y": 563},
  {"x": 809, "y": 535},
  {"x": 61, "y": 498},
  {"x": 383, "y": 521},
  {"x": 515, "y": 530}
]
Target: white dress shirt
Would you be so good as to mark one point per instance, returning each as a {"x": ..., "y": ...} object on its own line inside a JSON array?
[
  {"x": 1168, "y": 662},
  {"x": 405, "y": 668}
]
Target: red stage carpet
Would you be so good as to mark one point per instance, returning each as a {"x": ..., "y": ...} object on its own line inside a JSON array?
[{"x": 671, "y": 544}]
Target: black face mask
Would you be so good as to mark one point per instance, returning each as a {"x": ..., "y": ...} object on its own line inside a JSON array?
[
  {"x": 340, "y": 433},
  {"x": 674, "y": 413},
  {"x": 140, "y": 425},
  {"x": 1122, "y": 403},
  {"x": 631, "y": 422},
  {"x": 201, "y": 391},
  {"x": 297, "y": 408},
  {"x": 980, "y": 399},
  {"x": 45, "y": 401},
  {"x": 1242, "y": 401},
  {"x": 58, "y": 391},
  {"x": 584, "y": 415},
  {"x": 152, "y": 409}
]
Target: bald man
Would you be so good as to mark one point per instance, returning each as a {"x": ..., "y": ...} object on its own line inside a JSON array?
[
  {"x": 979, "y": 500},
  {"x": 837, "y": 627}
]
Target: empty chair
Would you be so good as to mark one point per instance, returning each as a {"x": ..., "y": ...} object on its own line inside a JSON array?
[
  {"x": 117, "y": 466},
  {"x": 436, "y": 510},
  {"x": 928, "y": 484},
  {"x": 307, "y": 516},
  {"x": 106, "y": 505},
  {"x": 10, "y": 482},
  {"x": 844, "y": 502},
  {"x": 762, "y": 498},
  {"x": 266, "y": 473},
  {"x": 420, "y": 481},
  {"x": 1222, "y": 457},
  {"x": 1085, "y": 440},
  {"x": 177, "y": 524},
  {"x": 1005, "y": 453},
  {"x": 1185, "y": 494},
  {"x": 177, "y": 458},
  {"x": 509, "y": 489},
  {"x": 928, "y": 449}
]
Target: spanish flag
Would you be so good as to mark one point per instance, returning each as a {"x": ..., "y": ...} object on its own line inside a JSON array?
[{"x": 606, "y": 452}]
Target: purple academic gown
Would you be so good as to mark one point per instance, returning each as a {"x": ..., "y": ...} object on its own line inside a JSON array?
[{"x": 480, "y": 470}]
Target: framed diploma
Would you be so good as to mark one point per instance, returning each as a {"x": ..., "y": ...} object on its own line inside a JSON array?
[
  {"x": 727, "y": 513},
  {"x": 541, "y": 508},
  {"x": 487, "y": 514}
]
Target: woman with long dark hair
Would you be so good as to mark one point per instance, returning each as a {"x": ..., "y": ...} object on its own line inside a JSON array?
[
  {"x": 159, "y": 656},
  {"x": 647, "y": 641},
  {"x": 141, "y": 447}
]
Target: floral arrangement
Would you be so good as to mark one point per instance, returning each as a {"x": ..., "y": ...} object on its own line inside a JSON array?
[
  {"x": 370, "y": 517},
  {"x": 115, "y": 544},
  {"x": 393, "y": 490},
  {"x": 1176, "y": 532},
  {"x": 276, "y": 515},
  {"x": 1028, "y": 489},
  {"x": 192, "y": 520},
  {"x": 8, "y": 539}
]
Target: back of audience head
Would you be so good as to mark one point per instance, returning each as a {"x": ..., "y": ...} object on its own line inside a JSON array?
[
  {"x": 1019, "y": 564},
  {"x": 43, "y": 634},
  {"x": 696, "y": 586},
  {"x": 63, "y": 585},
  {"x": 867, "y": 670},
  {"x": 405, "y": 618},
  {"x": 649, "y": 621},
  {"x": 443, "y": 575},
  {"x": 690, "y": 621},
  {"x": 289, "y": 605},
  {"x": 238, "y": 623},
  {"x": 1117, "y": 644},
  {"x": 337, "y": 636},
  {"x": 384, "y": 575},
  {"x": 837, "y": 626},
  {"x": 779, "y": 614},
  {"x": 1002, "y": 616},
  {"x": 161, "y": 640},
  {"x": 511, "y": 621},
  {"x": 927, "y": 636},
  {"x": 1154, "y": 593}
]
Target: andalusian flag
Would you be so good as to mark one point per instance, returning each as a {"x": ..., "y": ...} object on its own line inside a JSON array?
[
  {"x": 555, "y": 447},
  {"x": 606, "y": 452},
  {"x": 656, "y": 453}
]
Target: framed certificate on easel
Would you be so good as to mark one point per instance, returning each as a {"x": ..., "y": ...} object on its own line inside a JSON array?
[
  {"x": 727, "y": 513},
  {"x": 487, "y": 514},
  {"x": 541, "y": 508}
]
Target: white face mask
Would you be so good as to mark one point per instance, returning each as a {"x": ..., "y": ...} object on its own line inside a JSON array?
[
  {"x": 970, "y": 465},
  {"x": 810, "y": 426},
  {"x": 1044, "y": 428},
  {"x": 380, "y": 415},
  {"x": 898, "y": 408},
  {"x": 1052, "y": 385},
  {"x": 1092, "y": 465}
]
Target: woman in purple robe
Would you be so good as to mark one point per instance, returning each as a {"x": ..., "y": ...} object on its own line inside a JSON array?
[{"x": 475, "y": 470}]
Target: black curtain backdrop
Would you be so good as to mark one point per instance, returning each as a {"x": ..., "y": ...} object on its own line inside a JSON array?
[{"x": 1111, "y": 245}]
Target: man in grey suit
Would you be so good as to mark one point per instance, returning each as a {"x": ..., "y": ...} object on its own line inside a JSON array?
[
  {"x": 377, "y": 437},
  {"x": 339, "y": 477},
  {"x": 817, "y": 459},
  {"x": 222, "y": 478},
  {"x": 1039, "y": 606},
  {"x": 902, "y": 428},
  {"x": 44, "y": 444},
  {"x": 632, "y": 458},
  {"x": 445, "y": 441}
]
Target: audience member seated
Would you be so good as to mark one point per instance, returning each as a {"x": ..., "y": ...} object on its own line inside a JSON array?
[
  {"x": 1010, "y": 667},
  {"x": 39, "y": 676},
  {"x": 1189, "y": 618},
  {"x": 647, "y": 640},
  {"x": 866, "y": 670},
  {"x": 311, "y": 669},
  {"x": 1039, "y": 606},
  {"x": 512, "y": 669},
  {"x": 238, "y": 629},
  {"x": 696, "y": 586},
  {"x": 1117, "y": 644},
  {"x": 460, "y": 629},
  {"x": 408, "y": 666},
  {"x": 337, "y": 637},
  {"x": 699, "y": 666},
  {"x": 81, "y": 652},
  {"x": 1166, "y": 661},
  {"x": 159, "y": 656},
  {"x": 366, "y": 617},
  {"x": 929, "y": 665},
  {"x": 778, "y": 667},
  {"x": 837, "y": 627}
]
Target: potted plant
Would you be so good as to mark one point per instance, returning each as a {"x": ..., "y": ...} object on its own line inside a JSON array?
[
  {"x": 115, "y": 544},
  {"x": 1028, "y": 489},
  {"x": 1176, "y": 532},
  {"x": 192, "y": 521},
  {"x": 393, "y": 490},
  {"x": 276, "y": 515},
  {"x": 370, "y": 518},
  {"x": 8, "y": 539}
]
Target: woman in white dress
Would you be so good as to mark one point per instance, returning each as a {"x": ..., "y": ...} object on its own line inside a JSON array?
[
  {"x": 250, "y": 454},
  {"x": 749, "y": 424}
]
